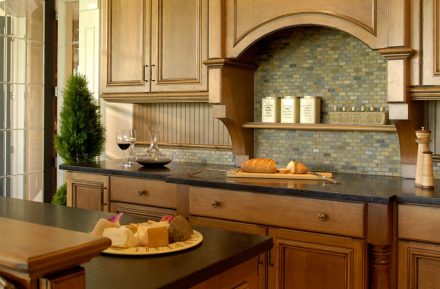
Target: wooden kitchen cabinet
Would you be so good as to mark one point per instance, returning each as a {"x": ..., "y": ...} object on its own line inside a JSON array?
[
  {"x": 419, "y": 265},
  {"x": 153, "y": 46},
  {"x": 303, "y": 260},
  {"x": 425, "y": 39},
  {"x": 151, "y": 199},
  {"x": 243, "y": 228},
  {"x": 87, "y": 191},
  {"x": 418, "y": 247},
  {"x": 300, "y": 259},
  {"x": 242, "y": 276}
]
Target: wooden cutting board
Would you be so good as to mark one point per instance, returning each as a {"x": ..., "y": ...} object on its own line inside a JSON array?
[{"x": 240, "y": 174}]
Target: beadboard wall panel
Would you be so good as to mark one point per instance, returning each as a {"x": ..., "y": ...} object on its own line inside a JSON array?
[{"x": 180, "y": 124}]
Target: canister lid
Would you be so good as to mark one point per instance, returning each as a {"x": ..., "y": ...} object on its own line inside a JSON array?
[
  {"x": 290, "y": 97},
  {"x": 310, "y": 96}
]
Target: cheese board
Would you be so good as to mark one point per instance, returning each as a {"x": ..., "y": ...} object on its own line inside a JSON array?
[
  {"x": 195, "y": 239},
  {"x": 306, "y": 176}
]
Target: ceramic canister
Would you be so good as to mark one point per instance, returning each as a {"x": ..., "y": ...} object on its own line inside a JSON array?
[
  {"x": 270, "y": 109},
  {"x": 290, "y": 109},
  {"x": 310, "y": 109}
]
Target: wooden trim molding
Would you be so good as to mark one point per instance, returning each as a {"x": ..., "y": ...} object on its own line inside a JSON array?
[
  {"x": 392, "y": 53},
  {"x": 425, "y": 92},
  {"x": 372, "y": 29}
]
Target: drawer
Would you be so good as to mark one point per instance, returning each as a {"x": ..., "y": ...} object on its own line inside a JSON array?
[
  {"x": 340, "y": 218},
  {"x": 419, "y": 223},
  {"x": 147, "y": 212},
  {"x": 143, "y": 192}
]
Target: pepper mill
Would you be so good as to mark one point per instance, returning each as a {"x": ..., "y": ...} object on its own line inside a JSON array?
[
  {"x": 427, "y": 173},
  {"x": 423, "y": 139}
]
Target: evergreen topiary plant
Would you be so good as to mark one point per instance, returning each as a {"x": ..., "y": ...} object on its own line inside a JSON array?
[{"x": 81, "y": 136}]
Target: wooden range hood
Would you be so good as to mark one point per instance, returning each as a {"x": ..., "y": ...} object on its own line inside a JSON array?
[{"x": 234, "y": 26}]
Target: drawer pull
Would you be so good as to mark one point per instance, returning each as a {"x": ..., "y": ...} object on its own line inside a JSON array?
[
  {"x": 214, "y": 204},
  {"x": 142, "y": 193},
  {"x": 322, "y": 217}
]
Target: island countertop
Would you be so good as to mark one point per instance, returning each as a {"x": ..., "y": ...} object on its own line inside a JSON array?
[
  {"x": 219, "y": 251},
  {"x": 352, "y": 187}
]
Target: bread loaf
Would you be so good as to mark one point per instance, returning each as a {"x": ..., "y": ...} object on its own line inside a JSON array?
[
  {"x": 259, "y": 165},
  {"x": 296, "y": 167}
]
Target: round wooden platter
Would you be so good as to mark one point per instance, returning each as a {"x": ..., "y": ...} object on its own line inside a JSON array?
[{"x": 195, "y": 239}]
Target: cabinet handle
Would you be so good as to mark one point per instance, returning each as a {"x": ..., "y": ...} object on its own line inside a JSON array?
[
  {"x": 146, "y": 73},
  {"x": 142, "y": 193},
  {"x": 214, "y": 204},
  {"x": 151, "y": 73},
  {"x": 322, "y": 217}
]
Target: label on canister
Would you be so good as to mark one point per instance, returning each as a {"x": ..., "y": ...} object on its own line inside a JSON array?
[
  {"x": 270, "y": 109},
  {"x": 290, "y": 109},
  {"x": 310, "y": 109}
]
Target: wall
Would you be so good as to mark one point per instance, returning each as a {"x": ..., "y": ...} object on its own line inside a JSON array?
[{"x": 341, "y": 70}]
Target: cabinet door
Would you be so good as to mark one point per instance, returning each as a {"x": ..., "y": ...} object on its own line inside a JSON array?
[
  {"x": 179, "y": 45},
  {"x": 124, "y": 45},
  {"x": 419, "y": 265},
  {"x": 87, "y": 191},
  {"x": 302, "y": 260},
  {"x": 238, "y": 227},
  {"x": 431, "y": 42},
  {"x": 425, "y": 40}
]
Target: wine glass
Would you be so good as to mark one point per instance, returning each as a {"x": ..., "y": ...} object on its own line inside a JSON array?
[
  {"x": 131, "y": 140},
  {"x": 123, "y": 141}
]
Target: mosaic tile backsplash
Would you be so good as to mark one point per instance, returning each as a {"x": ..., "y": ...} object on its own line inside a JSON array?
[
  {"x": 340, "y": 69},
  {"x": 343, "y": 71}
]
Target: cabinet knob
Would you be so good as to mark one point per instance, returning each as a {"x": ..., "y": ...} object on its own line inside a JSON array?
[
  {"x": 214, "y": 204},
  {"x": 322, "y": 217},
  {"x": 142, "y": 193}
]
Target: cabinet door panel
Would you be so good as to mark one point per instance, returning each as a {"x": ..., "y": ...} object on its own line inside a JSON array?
[
  {"x": 419, "y": 265},
  {"x": 123, "y": 40},
  {"x": 302, "y": 260},
  {"x": 87, "y": 191},
  {"x": 179, "y": 45}
]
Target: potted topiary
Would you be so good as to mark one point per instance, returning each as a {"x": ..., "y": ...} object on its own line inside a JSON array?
[{"x": 81, "y": 137}]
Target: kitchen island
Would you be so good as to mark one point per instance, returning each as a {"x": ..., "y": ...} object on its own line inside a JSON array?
[
  {"x": 219, "y": 253},
  {"x": 353, "y": 234}
]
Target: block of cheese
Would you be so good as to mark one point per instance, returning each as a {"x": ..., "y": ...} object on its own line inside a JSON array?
[
  {"x": 121, "y": 237},
  {"x": 153, "y": 234},
  {"x": 101, "y": 225}
]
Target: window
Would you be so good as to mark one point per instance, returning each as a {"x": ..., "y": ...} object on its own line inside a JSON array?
[{"x": 21, "y": 98}]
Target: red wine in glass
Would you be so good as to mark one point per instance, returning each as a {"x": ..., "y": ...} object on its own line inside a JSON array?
[{"x": 123, "y": 146}]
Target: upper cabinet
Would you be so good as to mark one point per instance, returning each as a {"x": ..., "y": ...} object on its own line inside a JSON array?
[
  {"x": 154, "y": 49},
  {"x": 425, "y": 40}
]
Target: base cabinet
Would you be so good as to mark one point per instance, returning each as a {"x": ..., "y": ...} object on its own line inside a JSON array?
[
  {"x": 243, "y": 228},
  {"x": 419, "y": 265},
  {"x": 303, "y": 260},
  {"x": 87, "y": 191},
  {"x": 242, "y": 276}
]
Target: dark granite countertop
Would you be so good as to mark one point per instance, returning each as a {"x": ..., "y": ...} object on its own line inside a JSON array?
[
  {"x": 352, "y": 187},
  {"x": 219, "y": 250}
]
